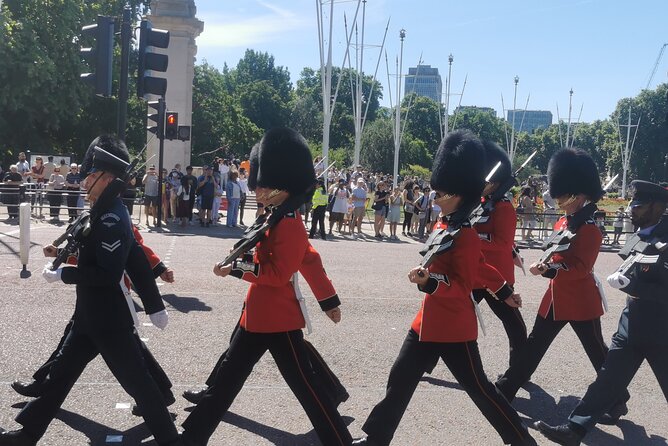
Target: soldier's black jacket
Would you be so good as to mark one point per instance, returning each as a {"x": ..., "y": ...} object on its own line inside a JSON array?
[
  {"x": 103, "y": 255},
  {"x": 647, "y": 306}
]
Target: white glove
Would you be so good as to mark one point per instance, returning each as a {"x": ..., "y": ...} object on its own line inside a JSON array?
[
  {"x": 52, "y": 276},
  {"x": 159, "y": 319},
  {"x": 618, "y": 280}
]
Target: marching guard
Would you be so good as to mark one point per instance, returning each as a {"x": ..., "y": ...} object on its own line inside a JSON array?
[
  {"x": 446, "y": 324},
  {"x": 574, "y": 295},
  {"x": 272, "y": 318},
  {"x": 642, "y": 333},
  {"x": 102, "y": 320},
  {"x": 497, "y": 236}
]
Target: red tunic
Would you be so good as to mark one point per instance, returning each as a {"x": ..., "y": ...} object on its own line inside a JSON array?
[
  {"x": 498, "y": 236},
  {"x": 573, "y": 292},
  {"x": 271, "y": 305},
  {"x": 447, "y": 313}
]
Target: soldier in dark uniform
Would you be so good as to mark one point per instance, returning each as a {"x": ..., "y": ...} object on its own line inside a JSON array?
[
  {"x": 574, "y": 295},
  {"x": 102, "y": 320},
  {"x": 497, "y": 236},
  {"x": 642, "y": 332},
  {"x": 143, "y": 267},
  {"x": 272, "y": 319},
  {"x": 446, "y": 326}
]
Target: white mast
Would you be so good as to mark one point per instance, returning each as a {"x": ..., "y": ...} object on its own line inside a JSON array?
[
  {"x": 511, "y": 149},
  {"x": 570, "y": 109},
  {"x": 397, "y": 124},
  {"x": 448, "y": 82},
  {"x": 627, "y": 151}
]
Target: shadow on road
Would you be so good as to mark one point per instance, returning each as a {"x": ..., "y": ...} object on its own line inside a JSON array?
[
  {"x": 185, "y": 304},
  {"x": 441, "y": 382},
  {"x": 275, "y": 436},
  {"x": 542, "y": 406}
]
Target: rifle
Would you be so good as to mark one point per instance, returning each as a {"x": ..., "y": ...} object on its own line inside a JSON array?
[
  {"x": 637, "y": 251},
  {"x": 560, "y": 240},
  {"x": 79, "y": 229},
  {"x": 441, "y": 240},
  {"x": 257, "y": 231},
  {"x": 501, "y": 191}
]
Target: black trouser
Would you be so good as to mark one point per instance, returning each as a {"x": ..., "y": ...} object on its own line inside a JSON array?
[
  {"x": 621, "y": 364},
  {"x": 290, "y": 354},
  {"x": 333, "y": 387},
  {"x": 122, "y": 355},
  {"x": 10, "y": 197},
  {"x": 242, "y": 205},
  {"x": 42, "y": 374},
  {"x": 512, "y": 321},
  {"x": 408, "y": 216},
  {"x": 543, "y": 333},
  {"x": 55, "y": 200},
  {"x": 463, "y": 360},
  {"x": 318, "y": 219},
  {"x": 72, "y": 200}
]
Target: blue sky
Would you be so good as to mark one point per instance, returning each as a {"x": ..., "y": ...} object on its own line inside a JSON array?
[{"x": 603, "y": 49}]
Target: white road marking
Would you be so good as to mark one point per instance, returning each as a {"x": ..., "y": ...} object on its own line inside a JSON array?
[{"x": 123, "y": 405}]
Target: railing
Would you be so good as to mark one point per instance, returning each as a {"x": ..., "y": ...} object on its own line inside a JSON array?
[{"x": 48, "y": 202}]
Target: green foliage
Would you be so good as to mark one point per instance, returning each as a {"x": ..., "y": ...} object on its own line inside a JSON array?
[{"x": 414, "y": 170}]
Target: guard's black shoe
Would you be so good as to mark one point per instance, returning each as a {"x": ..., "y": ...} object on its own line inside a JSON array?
[
  {"x": 194, "y": 396},
  {"x": 614, "y": 414},
  {"x": 16, "y": 438},
  {"x": 561, "y": 434},
  {"x": 30, "y": 389}
]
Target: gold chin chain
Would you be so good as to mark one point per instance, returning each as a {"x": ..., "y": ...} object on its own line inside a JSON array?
[{"x": 567, "y": 202}]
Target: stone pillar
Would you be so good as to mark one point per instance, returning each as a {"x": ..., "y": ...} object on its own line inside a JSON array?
[{"x": 177, "y": 16}]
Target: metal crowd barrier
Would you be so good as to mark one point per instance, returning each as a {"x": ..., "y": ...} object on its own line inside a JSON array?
[{"x": 43, "y": 201}]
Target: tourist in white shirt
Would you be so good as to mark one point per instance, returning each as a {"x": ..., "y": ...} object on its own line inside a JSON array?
[{"x": 243, "y": 184}]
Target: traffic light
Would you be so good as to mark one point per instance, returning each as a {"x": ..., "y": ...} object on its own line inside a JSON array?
[
  {"x": 100, "y": 57},
  {"x": 158, "y": 117},
  {"x": 172, "y": 126},
  {"x": 149, "y": 61}
]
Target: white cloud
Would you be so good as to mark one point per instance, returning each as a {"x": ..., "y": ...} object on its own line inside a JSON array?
[{"x": 231, "y": 31}]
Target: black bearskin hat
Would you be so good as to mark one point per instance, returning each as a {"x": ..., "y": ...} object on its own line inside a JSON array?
[
  {"x": 459, "y": 166},
  {"x": 111, "y": 156},
  {"x": 494, "y": 154},
  {"x": 252, "y": 170},
  {"x": 285, "y": 162},
  {"x": 573, "y": 172}
]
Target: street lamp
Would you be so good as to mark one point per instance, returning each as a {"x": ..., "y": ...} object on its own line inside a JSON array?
[
  {"x": 397, "y": 117},
  {"x": 511, "y": 153}
]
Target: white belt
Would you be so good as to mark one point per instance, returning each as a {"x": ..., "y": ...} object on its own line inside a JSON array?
[
  {"x": 130, "y": 302},
  {"x": 302, "y": 302},
  {"x": 601, "y": 291},
  {"x": 478, "y": 314}
]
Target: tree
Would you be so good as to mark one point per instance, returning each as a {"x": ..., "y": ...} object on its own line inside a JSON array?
[
  {"x": 422, "y": 122},
  {"x": 484, "y": 124},
  {"x": 218, "y": 120},
  {"x": 651, "y": 145},
  {"x": 263, "y": 90}
]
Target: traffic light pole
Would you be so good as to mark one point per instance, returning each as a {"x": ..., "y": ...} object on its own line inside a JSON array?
[
  {"x": 161, "y": 151},
  {"x": 126, "y": 35}
]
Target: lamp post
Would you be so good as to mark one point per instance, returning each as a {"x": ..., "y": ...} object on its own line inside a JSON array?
[
  {"x": 512, "y": 130},
  {"x": 448, "y": 82},
  {"x": 397, "y": 124}
]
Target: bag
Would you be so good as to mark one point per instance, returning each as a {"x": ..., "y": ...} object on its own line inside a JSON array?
[
  {"x": 520, "y": 209},
  {"x": 330, "y": 203}
]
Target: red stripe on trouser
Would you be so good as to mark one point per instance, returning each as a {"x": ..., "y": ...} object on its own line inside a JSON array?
[
  {"x": 488, "y": 397},
  {"x": 294, "y": 353}
]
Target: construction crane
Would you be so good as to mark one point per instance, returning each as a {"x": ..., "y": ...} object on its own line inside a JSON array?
[{"x": 656, "y": 65}]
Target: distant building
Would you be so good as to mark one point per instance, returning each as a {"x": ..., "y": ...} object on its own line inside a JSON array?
[
  {"x": 475, "y": 108},
  {"x": 530, "y": 120},
  {"x": 424, "y": 81}
]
